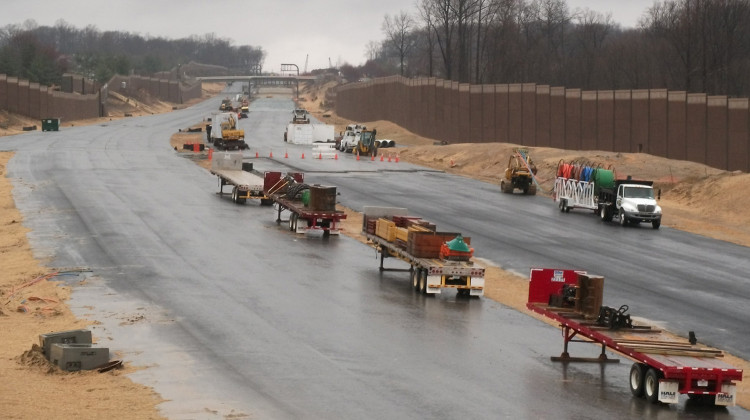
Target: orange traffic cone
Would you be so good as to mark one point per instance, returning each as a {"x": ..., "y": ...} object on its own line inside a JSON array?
[
  {"x": 381, "y": 157},
  {"x": 210, "y": 154},
  {"x": 357, "y": 154},
  {"x": 270, "y": 154},
  {"x": 389, "y": 157},
  {"x": 336, "y": 156},
  {"x": 286, "y": 154},
  {"x": 256, "y": 154},
  {"x": 396, "y": 158},
  {"x": 303, "y": 155},
  {"x": 372, "y": 157},
  {"x": 320, "y": 156}
]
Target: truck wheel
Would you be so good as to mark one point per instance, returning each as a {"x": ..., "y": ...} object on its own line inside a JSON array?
[
  {"x": 293, "y": 222},
  {"x": 623, "y": 219},
  {"x": 506, "y": 187},
  {"x": 423, "y": 281},
  {"x": 651, "y": 385},
  {"x": 563, "y": 204},
  {"x": 414, "y": 273},
  {"x": 636, "y": 379},
  {"x": 655, "y": 224}
]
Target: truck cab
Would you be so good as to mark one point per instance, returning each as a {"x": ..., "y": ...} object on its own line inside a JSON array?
[
  {"x": 350, "y": 138},
  {"x": 635, "y": 203}
]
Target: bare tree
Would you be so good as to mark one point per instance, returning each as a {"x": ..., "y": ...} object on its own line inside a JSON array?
[
  {"x": 398, "y": 30},
  {"x": 425, "y": 12}
]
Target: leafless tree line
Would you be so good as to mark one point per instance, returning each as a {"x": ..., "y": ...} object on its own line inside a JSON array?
[
  {"x": 689, "y": 45},
  {"x": 43, "y": 53}
]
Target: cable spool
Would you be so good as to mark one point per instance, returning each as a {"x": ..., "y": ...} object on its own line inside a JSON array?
[{"x": 604, "y": 178}]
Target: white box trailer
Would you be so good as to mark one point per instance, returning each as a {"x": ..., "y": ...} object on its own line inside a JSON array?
[
  {"x": 309, "y": 133},
  {"x": 299, "y": 133},
  {"x": 323, "y": 133}
]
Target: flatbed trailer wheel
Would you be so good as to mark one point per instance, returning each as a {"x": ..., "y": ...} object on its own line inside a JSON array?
[
  {"x": 234, "y": 195},
  {"x": 414, "y": 273},
  {"x": 423, "y": 281},
  {"x": 637, "y": 371},
  {"x": 651, "y": 385},
  {"x": 293, "y": 222}
]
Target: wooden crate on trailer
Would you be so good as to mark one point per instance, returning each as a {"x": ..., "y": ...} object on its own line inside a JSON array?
[
  {"x": 369, "y": 224},
  {"x": 589, "y": 295},
  {"x": 385, "y": 229}
]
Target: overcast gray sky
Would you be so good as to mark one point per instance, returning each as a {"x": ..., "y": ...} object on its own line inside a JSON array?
[{"x": 288, "y": 30}]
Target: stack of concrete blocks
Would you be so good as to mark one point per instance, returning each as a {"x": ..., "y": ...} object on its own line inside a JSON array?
[{"x": 73, "y": 350}]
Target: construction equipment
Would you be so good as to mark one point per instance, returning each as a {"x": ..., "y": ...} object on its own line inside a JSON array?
[
  {"x": 224, "y": 132},
  {"x": 366, "y": 144},
  {"x": 226, "y": 105},
  {"x": 299, "y": 116},
  {"x": 359, "y": 140},
  {"x": 520, "y": 173}
]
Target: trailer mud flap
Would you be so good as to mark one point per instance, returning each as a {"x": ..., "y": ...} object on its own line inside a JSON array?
[
  {"x": 477, "y": 282},
  {"x": 669, "y": 391},
  {"x": 434, "y": 284},
  {"x": 727, "y": 396}
]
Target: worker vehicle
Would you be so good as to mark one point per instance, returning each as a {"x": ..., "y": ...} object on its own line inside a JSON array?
[
  {"x": 596, "y": 188},
  {"x": 519, "y": 175},
  {"x": 299, "y": 116},
  {"x": 226, "y": 105},
  {"x": 350, "y": 137},
  {"x": 359, "y": 140},
  {"x": 230, "y": 170},
  {"x": 663, "y": 368},
  {"x": 224, "y": 132},
  {"x": 437, "y": 260},
  {"x": 311, "y": 208}
]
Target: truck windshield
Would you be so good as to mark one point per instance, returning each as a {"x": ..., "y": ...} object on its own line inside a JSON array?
[{"x": 637, "y": 192}]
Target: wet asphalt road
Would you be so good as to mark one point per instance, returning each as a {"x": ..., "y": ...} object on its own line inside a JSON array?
[{"x": 235, "y": 315}]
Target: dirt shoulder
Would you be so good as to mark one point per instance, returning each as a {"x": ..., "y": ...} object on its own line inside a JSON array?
[{"x": 33, "y": 302}]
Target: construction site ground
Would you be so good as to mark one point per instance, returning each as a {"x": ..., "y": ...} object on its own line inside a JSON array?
[{"x": 695, "y": 198}]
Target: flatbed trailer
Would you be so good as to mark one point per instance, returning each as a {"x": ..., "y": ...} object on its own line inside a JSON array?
[
  {"x": 431, "y": 275},
  {"x": 302, "y": 219},
  {"x": 245, "y": 185},
  {"x": 663, "y": 368},
  {"x": 230, "y": 170}
]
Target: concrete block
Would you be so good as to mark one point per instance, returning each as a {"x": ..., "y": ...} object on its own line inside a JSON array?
[
  {"x": 63, "y": 337},
  {"x": 74, "y": 357}
]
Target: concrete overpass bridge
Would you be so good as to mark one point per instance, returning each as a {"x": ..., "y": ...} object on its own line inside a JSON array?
[{"x": 267, "y": 80}]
